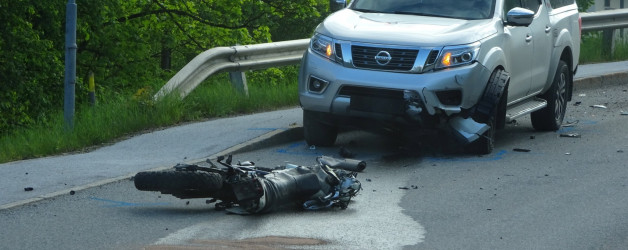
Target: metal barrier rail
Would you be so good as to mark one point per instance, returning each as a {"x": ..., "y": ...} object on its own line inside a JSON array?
[
  {"x": 234, "y": 59},
  {"x": 606, "y": 19},
  {"x": 261, "y": 56}
]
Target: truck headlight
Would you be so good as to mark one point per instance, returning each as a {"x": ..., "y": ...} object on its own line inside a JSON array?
[
  {"x": 453, "y": 56},
  {"x": 324, "y": 46}
]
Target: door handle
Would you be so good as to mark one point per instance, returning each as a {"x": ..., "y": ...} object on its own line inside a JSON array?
[
  {"x": 548, "y": 29},
  {"x": 528, "y": 38}
]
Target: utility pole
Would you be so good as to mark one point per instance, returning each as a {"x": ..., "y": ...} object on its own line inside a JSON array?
[{"x": 70, "y": 65}]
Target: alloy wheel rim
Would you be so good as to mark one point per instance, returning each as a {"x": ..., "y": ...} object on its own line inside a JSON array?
[{"x": 561, "y": 91}]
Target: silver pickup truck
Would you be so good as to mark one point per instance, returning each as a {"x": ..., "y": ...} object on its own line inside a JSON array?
[{"x": 466, "y": 66}]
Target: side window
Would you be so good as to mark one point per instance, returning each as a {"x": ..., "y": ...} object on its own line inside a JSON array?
[
  {"x": 532, "y": 5},
  {"x": 561, "y": 3},
  {"x": 509, "y": 4}
]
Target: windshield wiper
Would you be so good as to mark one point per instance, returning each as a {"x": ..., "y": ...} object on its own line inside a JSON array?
[
  {"x": 366, "y": 10},
  {"x": 418, "y": 14}
]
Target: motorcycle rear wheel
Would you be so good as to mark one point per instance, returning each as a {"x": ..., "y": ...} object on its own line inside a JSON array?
[{"x": 181, "y": 184}]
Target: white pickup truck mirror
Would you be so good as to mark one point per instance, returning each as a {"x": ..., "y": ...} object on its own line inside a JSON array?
[{"x": 519, "y": 17}]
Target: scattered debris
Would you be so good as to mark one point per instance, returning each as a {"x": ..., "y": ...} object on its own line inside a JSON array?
[
  {"x": 621, "y": 113},
  {"x": 369, "y": 180},
  {"x": 293, "y": 124},
  {"x": 582, "y": 95},
  {"x": 28, "y": 189},
  {"x": 577, "y": 103},
  {"x": 414, "y": 187},
  {"x": 598, "y": 106},
  {"x": 620, "y": 151},
  {"x": 570, "y": 123},
  {"x": 187, "y": 203},
  {"x": 404, "y": 188},
  {"x": 72, "y": 192},
  {"x": 313, "y": 147},
  {"x": 26, "y": 173},
  {"x": 346, "y": 153},
  {"x": 570, "y": 135},
  {"x": 489, "y": 209},
  {"x": 532, "y": 137},
  {"x": 521, "y": 150},
  {"x": 567, "y": 153}
]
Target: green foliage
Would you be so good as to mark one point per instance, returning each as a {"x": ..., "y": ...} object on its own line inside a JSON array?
[
  {"x": 128, "y": 44},
  {"x": 119, "y": 116},
  {"x": 583, "y": 5},
  {"x": 591, "y": 49}
]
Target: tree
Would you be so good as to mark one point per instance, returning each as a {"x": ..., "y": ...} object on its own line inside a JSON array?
[{"x": 128, "y": 44}]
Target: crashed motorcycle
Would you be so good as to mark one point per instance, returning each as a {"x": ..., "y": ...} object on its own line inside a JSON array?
[{"x": 244, "y": 188}]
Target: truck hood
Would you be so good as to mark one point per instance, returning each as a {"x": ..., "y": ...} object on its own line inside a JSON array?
[{"x": 410, "y": 30}]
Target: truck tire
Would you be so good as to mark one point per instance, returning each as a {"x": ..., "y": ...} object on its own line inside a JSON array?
[
  {"x": 551, "y": 117},
  {"x": 492, "y": 111},
  {"x": 317, "y": 131},
  {"x": 182, "y": 184}
]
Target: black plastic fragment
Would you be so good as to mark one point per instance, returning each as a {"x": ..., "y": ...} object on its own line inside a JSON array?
[{"x": 525, "y": 150}]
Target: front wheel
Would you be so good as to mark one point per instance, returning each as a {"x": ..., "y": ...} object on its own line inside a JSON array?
[
  {"x": 551, "y": 117},
  {"x": 492, "y": 111}
]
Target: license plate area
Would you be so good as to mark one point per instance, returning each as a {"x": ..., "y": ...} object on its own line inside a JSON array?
[{"x": 377, "y": 105}]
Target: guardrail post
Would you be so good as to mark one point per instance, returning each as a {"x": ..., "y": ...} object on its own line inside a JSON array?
[
  {"x": 70, "y": 65},
  {"x": 608, "y": 43},
  {"x": 238, "y": 81}
]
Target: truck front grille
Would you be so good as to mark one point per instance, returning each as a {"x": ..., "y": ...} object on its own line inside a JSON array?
[{"x": 400, "y": 59}]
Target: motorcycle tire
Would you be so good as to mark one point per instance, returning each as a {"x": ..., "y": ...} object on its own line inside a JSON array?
[{"x": 181, "y": 184}]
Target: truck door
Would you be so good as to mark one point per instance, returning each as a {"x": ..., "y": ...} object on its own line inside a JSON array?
[
  {"x": 518, "y": 48},
  {"x": 542, "y": 44}
]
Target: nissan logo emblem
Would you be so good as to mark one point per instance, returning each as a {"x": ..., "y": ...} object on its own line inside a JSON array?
[{"x": 383, "y": 58}]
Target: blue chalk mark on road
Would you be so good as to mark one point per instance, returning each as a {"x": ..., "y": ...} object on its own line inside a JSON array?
[
  {"x": 498, "y": 156},
  {"x": 296, "y": 149},
  {"x": 575, "y": 126},
  {"x": 113, "y": 203}
]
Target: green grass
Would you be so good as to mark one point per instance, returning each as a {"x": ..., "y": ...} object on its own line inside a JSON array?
[
  {"x": 117, "y": 116},
  {"x": 591, "y": 49}
]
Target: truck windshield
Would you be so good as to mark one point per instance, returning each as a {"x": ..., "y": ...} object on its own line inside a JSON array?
[{"x": 459, "y": 9}]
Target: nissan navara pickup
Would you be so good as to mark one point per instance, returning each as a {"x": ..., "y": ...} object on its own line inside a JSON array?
[{"x": 467, "y": 66}]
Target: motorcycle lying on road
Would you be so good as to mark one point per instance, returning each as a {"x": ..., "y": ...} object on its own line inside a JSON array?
[{"x": 244, "y": 188}]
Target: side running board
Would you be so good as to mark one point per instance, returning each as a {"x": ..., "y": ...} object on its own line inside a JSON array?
[{"x": 524, "y": 108}]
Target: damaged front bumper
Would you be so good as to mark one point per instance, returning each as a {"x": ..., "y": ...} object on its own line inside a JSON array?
[{"x": 428, "y": 99}]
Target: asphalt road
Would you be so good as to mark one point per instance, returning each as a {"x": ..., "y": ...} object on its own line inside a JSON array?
[{"x": 419, "y": 193}]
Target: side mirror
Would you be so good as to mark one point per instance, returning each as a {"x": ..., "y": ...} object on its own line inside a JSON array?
[
  {"x": 519, "y": 17},
  {"x": 335, "y": 5}
]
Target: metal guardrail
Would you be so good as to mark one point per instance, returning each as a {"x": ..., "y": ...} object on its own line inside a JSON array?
[
  {"x": 606, "y": 19},
  {"x": 234, "y": 59},
  {"x": 261, "y": 56}
]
